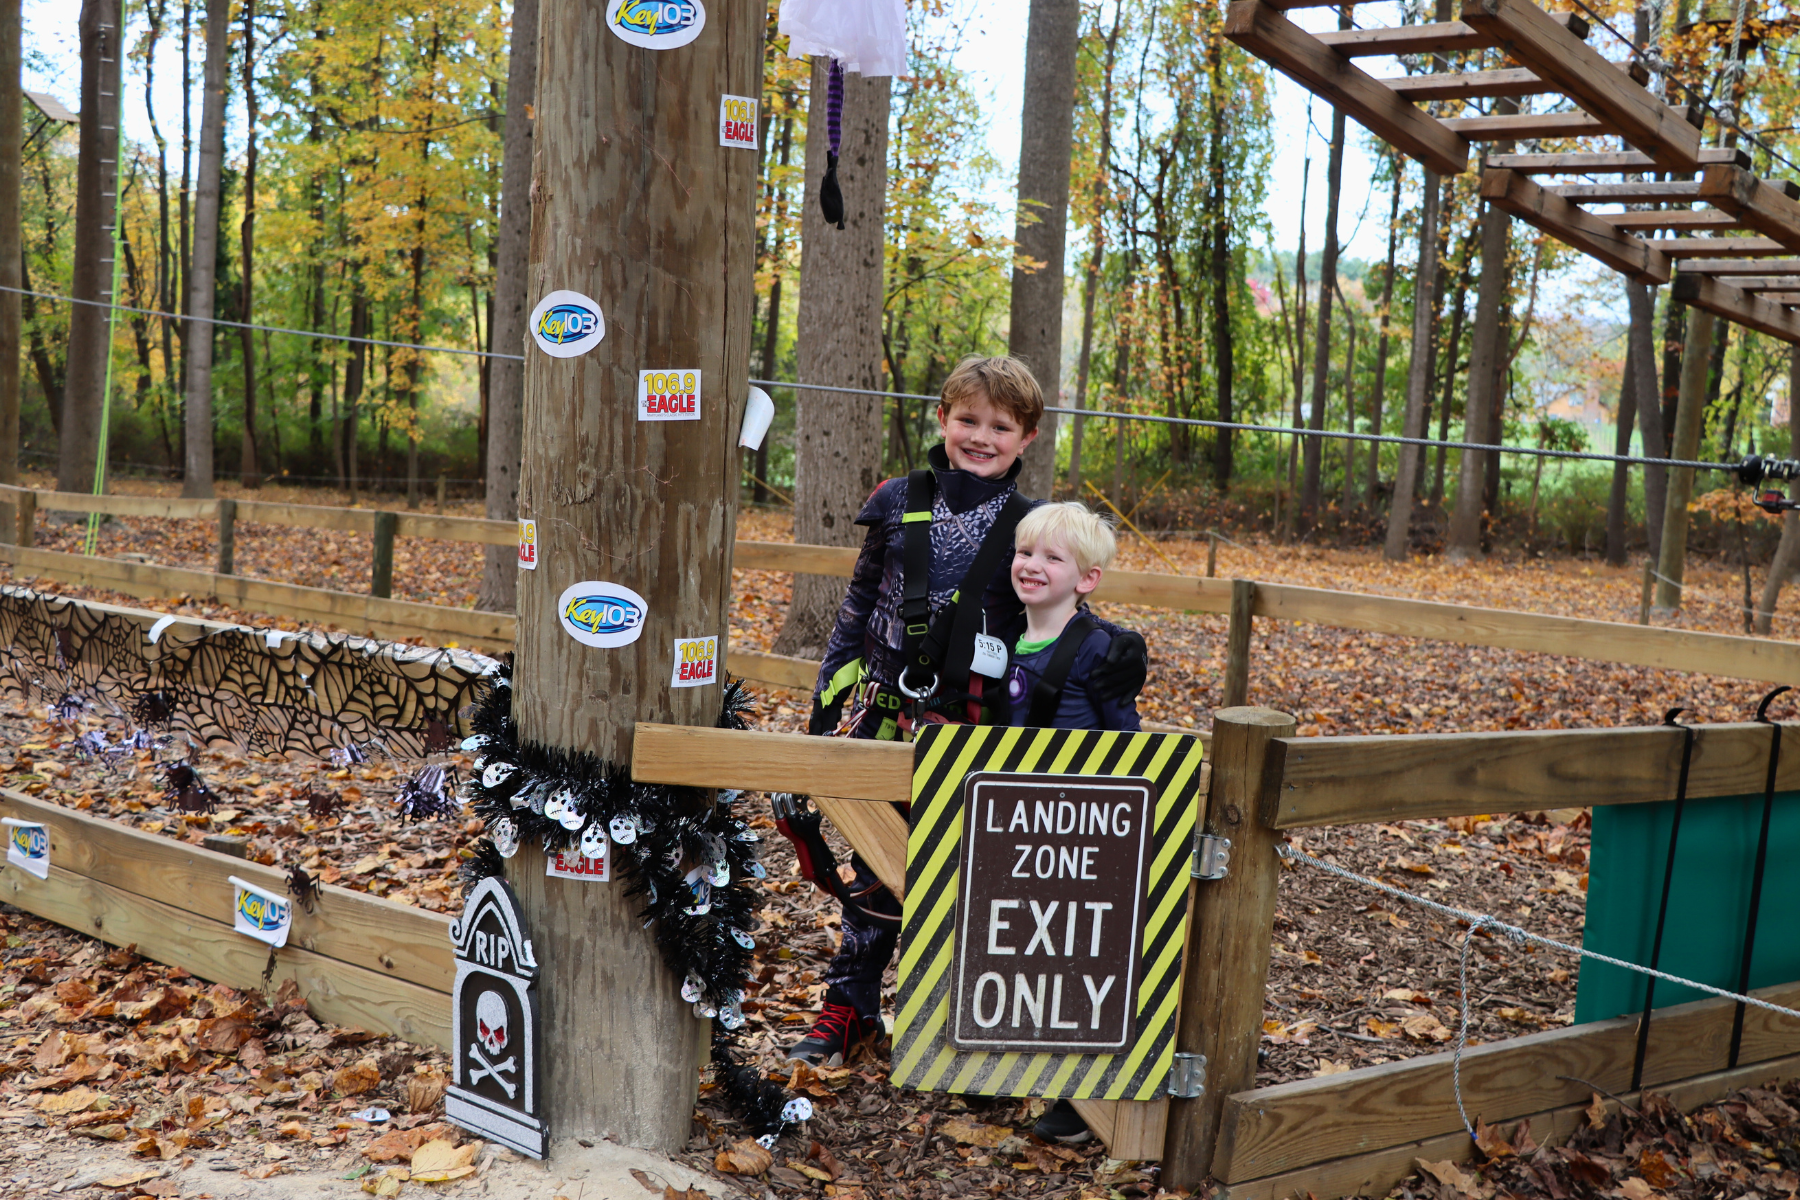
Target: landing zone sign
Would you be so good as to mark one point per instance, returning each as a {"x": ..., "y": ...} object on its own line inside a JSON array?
[{"x": 1053, "y": 872}]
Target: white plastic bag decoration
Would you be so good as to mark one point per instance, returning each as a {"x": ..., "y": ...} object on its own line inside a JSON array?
[{"x": 866, "y": 36}]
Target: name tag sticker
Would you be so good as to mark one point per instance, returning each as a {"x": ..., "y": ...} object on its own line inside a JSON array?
[{"x": 990, "y": 656}]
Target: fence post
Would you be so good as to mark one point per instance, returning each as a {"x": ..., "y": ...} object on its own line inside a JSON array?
[
  {"x": 27, "y": 531},
  {"x": 1237, "y": 643},
  {"x": 381, "y": 572},
  {"x": 1231, "y": 921},
  {"x": 227, "y": 536},
  {"x": 1212, "y": 556},
  {"x": 443, "y": 485}
]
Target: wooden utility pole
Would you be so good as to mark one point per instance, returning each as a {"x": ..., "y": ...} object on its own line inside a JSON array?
[
  {"x": 12, "y": 126},
  {"x": 1695, "y": 363},
  {"x": 637, "y": 207},
  {"x": 91, "y": 274}
]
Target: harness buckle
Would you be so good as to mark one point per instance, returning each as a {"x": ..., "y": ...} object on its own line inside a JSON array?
[{"x": 916, "y": 694}]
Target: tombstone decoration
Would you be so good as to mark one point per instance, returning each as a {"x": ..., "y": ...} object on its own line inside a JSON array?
[{"x": 494, "y": 1022}]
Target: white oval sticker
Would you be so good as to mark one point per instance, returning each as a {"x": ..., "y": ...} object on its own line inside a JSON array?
[
  {"x": 565, "y": 324},
  {"x": 601, "y": 614},
  {"x": 656, "y": 24}
]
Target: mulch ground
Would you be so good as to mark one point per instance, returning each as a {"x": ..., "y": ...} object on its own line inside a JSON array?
[{"x": 1357, "y": 979}]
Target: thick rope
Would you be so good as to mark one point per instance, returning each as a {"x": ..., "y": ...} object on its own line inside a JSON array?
[{"x": 1513, "y": 933}]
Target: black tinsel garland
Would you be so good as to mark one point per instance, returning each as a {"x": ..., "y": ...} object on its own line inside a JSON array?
[{"x": 685, "y": 854}]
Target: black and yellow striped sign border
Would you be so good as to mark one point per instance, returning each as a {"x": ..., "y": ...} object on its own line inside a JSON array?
[{"x": 943, "y": 756}]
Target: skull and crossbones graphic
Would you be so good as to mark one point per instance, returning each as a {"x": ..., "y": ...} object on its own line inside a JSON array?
[{"x": 492, "y": 1034}]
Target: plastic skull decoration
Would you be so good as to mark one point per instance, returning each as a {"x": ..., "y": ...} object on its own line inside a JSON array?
[
  {"x": 474, "y": 742},
  {"x": 797, "y": 1110},
  {"x": 571, "y": 818},
  {"x": 691, "y": 988},
  {"x": 743, "y": 939},
  {"x": 496, "y": 774},
  {"x": 490, "y": 1021},
  {"x": 554, "y": 808},
  {"x": 623, "y": 830},
  {"x": 506, "y": 837},
  {"x": 593, "y": 840}
]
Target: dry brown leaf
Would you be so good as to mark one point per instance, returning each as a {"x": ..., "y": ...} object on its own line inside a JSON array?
[
  {"x": 1328, "y": 1066},
  {"x": 383, "y": 1185},
  {"x": 1382, "y": 1029},
  {"x": 441, "y": 1154},
  {"x": 1596, "y": 1112},
  {"x": 1490, "y": 1141},
  {"x": 743, "y": 1158},
  {"x": 74, "y": 1100},
  {"x": 1409, "y": 995},
  {"x": 1657, "y": 1170},
  {"x": 1450, "y": 1175},
  {"x": 820, "y": 1154},
  {"x": 129, "y": 1178},
  {"x": 105, "y": 1133},
  {"x": 1425, "y": 1028},
  {"x": 425, "y": 1090},
  {"x": 974, "y": 1133},
  {"x": 1636, "y": 1188}
]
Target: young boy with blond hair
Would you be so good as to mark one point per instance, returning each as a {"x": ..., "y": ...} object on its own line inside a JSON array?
[
  {"x": 1060, "y": 551},
  {"x": 922, "y": 636}
]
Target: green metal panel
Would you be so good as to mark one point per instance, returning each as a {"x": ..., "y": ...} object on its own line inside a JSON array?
[{"x": 1709, "y": 899}]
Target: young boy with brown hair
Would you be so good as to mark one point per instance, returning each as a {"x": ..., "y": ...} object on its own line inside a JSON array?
[{"x": 922, "y": 636}]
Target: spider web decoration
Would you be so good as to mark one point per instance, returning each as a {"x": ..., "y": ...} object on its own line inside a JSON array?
[{"x": 261, "y": 690}]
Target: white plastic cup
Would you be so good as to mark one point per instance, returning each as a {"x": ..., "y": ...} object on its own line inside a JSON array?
[{"x": 757, "y": 414}]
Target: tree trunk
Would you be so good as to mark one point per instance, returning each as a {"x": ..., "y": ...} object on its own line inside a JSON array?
[
  {"x": 91, "y": 276},
  {"x": 1642, "y": 302},
  {"x": 1459, "y": 314},
  {"x": 1418, "y": 379},
  {"x": 645, "y": 505},
  {"x": 1224, "y": 349},
  {"x": 1090, "y": 284},
  {"x": 1377, "y": 400},
  {"x": 1349, "y": 401},
  {"x": 1299, "y": 357},
  {"x": 197, "y": 476},
  {"x": 837, "y": 437},
  {"x": 1618, "y": 501},
  {"x": 1696, "y": 362},
  {"x": 500, "y": 566},
  {"x": 772, "y": 324},
  {"x": 1486, "y": 357},
  {"x": 1314, "y": 453},
  {"x": 1787, "y": 553},
  {"x": 1046, "y": 135},
  {"x": 12, "y": 252},
  {"x": 248, "y": 472}
]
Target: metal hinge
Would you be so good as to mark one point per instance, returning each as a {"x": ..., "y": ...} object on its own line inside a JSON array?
[
  {"x": 1187, "y": 1078},
  {"x": 1212, "y": 857}
]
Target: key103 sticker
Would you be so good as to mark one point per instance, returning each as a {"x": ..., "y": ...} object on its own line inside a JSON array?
[
  {"x": 696, "y": 662},
  {"x": 656, "y": 24},
  {"x": 528, "y": 545},
  {"x": 596, "y": 613},
  {"x": 262, "y": 915},
  {"x": 566, "y": 324},
  {"x": 668, "y": 395},
  {"x": 28, "y": 847},
  {"x": 737, "y": 121}
]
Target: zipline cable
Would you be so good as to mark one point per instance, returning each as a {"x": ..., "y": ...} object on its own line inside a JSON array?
[{"x": 1105, "y": 414}]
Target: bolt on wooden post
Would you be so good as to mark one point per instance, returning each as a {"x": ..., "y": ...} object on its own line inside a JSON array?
[{"x": 644, "y": 222}]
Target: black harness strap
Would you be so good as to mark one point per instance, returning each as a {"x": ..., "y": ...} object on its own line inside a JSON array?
[
  {"x": 1662, "y": 912},
  {"x": 1756, "y": 879},
  {"x": 915, "y": 594},
  {"x": 1047, "y": 692}
]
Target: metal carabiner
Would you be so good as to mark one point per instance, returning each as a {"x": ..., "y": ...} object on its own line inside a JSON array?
[{"x": 910, "y": 693}]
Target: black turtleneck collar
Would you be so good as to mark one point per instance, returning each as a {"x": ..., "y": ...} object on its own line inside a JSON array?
[{"x": 963, "y": 490}]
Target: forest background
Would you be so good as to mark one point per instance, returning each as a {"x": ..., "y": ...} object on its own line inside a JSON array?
[{"x": 361, "y": 194}]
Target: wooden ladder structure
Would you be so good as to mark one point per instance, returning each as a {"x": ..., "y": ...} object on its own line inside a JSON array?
[{"x": 1727, "y": 240}]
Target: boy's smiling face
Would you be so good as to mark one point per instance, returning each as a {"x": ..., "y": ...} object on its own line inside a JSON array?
[
  {"x": 1046, "y": 574},
  {"x": 982, "y": 438}
]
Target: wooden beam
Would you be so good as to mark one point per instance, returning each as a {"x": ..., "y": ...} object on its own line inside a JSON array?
[
  {"x": 1527, "y": 125},
  {"x": 1603, "y": 162},
  {"x": 1573, "y": 226},
  {"x": 692, "y": 756},
  {"x": 1276, "y": 1129},
  {"x": 1469, "y": 85},
  {"x": 334, "y": 991},
  {"x": 1259, "y": 27},
  {"x": 1784, "y": 298},
  {"x": 875, "y": 831},
  {"x": 1675, "y": 191},
  {"x": 1749, "y": 310},
  {"x": 1225, "y": 974},
  {"x": 1377, "y": 1172},
  {"x": 1708, "y": 219},
  {"x": 1759, "y": 283},
  {"x": 1527, "y": 33},
  {"x": 1758, "y": 206},
  {"x": 353, "y": 927},
  {"x": 1726, "y": 247},
  {"x": 1726, "y": 267},
  {"x": 119, "y": 506},
  {"x": 800, "y": 559},
  {"x": 1353, "y": 780},
  {"x": 1437, "y": 37}
]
